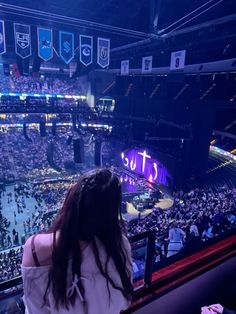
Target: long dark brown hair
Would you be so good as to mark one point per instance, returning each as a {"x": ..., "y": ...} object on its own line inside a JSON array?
[{"x": 92, "y": 209}]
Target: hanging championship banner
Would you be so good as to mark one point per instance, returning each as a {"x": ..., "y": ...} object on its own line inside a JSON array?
[
  {"x": 86, "y": 49},
  {"x": 2, "y": 38},
  {"x": 124, "y": 68},
  {"x": 147, "y": 64},
  {"x": 22, "y": 40},
  {"x": 66, "y": 46},
  {"x": 103, "y": 52},
  {"x": 177, "y": 60},
  {"x": 45, "y": 42}
]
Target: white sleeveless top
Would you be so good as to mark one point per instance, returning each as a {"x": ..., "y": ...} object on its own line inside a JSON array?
[{"x": 35, "y": 281}]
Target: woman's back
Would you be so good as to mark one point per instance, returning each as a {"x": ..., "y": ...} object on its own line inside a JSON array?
[{"x": 94, "y": 283}]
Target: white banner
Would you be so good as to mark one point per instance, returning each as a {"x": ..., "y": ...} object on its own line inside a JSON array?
[
  {"x": 86, "y": 49},
  {"x": 177, "y": 60},
  {"x": 147, "y": 64},
  {"x": 124, "y": 67},
  {"x": 103, "y": 52}
]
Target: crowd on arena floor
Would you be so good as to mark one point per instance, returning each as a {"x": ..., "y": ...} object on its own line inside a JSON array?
[{"x": 51, "y": 195}]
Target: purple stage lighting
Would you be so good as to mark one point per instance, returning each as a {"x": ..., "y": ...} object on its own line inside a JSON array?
[{"x": 142, "y": 162}]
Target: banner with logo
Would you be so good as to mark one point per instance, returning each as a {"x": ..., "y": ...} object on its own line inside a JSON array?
[
  {"x": 86, "y": 50},
  {"x": 177, "y": 60},
  {"x": 45, "y": 43},
  {"x": 22, "y": 40},
  {"x": 66, "y": 46},
  {"x": 2, "y": 38},
  {"x": 124, "y": 68},
  {"x": 147, "y": 64},
  {"x": 103, "y": 52}
]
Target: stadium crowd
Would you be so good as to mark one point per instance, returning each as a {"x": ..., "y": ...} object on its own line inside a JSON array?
[
  {"x": 10, "y": 264},
  {"x": 49, "y": 197},
  {"x": 37, "y": 156},
  {"x": 22, "y": 158},
  {"x": 197, "y": 215},
  {"x": 29, "y": 84}
]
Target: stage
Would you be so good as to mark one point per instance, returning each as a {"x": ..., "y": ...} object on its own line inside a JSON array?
[{"x": 139, "y": 196}]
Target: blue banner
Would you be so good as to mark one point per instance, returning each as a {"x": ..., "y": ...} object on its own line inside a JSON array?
[
  {"x": 2, "y": 38},
  {"x": 66, "y": 46},
  {"x": 103, "y": 52},
  {"x": 22, "y": 40},
  {"x": 45, "y": 43},
  {"x": 86, "y": 49}
]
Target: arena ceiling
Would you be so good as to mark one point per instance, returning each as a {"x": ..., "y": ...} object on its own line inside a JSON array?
[
  {"x": 146, "y": 16},
  {"x": 132, "y": 14}
]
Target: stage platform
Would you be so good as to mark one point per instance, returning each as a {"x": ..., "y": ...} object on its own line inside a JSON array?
[{"x": 140, "y": 197}]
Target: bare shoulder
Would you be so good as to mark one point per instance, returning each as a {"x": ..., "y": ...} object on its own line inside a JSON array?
[
  {"x": 44, "y": 240},
  {"x": 41, "y": 240},
  {"x": 43, "y": 244}
]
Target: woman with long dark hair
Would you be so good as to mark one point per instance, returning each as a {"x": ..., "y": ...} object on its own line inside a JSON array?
[{"x": 83, "y": 264}]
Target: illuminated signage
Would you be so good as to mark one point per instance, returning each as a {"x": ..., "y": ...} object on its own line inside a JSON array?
[
  {"x": 22, "y": 96},
  {"x": 43, "y": 95},
  {"x": 20, "y": 125},
  {"x": 141, "y": 161}
]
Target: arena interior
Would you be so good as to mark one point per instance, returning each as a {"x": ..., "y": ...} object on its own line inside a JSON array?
[{"x": 148, "y": 90}]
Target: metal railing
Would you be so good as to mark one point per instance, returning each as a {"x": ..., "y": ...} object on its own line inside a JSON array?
[{"x": 149, "y": 236}]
